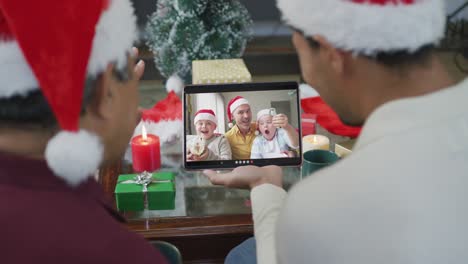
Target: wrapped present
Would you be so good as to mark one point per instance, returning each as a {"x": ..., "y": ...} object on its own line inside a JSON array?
[
  {"x": 135, "y": 191},
  {"x": 220, "y": 71}
]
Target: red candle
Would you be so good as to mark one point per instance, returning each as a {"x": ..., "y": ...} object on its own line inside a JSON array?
[{"x": 146, "y": 153}]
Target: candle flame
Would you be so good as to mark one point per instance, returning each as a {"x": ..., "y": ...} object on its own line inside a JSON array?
[
  {"x": 314, "y": 139},
  {"x": 143, "y": 132}
]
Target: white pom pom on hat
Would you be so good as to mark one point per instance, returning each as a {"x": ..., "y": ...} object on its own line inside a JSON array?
[
  {"x": 175, "y": 83},
  {"x": 72, "y": 154},
  {"x": 368, "y": 26}
]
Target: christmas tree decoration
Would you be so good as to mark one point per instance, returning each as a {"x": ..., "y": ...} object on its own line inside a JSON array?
[{"x": 181, "y": 31}]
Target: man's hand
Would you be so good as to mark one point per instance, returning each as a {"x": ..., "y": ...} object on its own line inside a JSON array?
[
  {"x": 280, "y": 120},
  {"x": 247, "y": 177},
  {"x": 140, "y": 66}
]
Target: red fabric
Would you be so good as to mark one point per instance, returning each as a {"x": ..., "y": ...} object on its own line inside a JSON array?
[
  {"x": 205, "y": 111},
  {"x": 169, "y": 108},
  {"x": 327, "y": 118},
  {"x": 56, "y": 39},
  {"x": 5, "y": 32}
]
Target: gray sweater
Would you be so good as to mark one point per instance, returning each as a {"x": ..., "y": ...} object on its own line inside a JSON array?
[{"x": 218, "y": 147}]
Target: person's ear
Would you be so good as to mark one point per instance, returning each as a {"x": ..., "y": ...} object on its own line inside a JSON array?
[
  {"x": 334, "y": 56},
  {"x": 102, "y": 104}
]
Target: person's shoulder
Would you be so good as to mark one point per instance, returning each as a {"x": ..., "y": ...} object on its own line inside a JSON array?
[
  {"x": 219, "y": 136},
  {"x": 191, "y": 137},
  {"x": 230, "y": 132}
]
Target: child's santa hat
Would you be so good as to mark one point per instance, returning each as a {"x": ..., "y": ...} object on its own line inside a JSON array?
[
  {"x": 233, "y": 104},
  {"x": 53, "y": 45},
  {"x": 267, "y": 111},
  {"x": 368, "y": 26},
  {"x": 205, "y": 114}
]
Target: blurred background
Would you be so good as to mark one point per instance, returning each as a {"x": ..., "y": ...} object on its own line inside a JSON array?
[{"x": 270, "y": 55}]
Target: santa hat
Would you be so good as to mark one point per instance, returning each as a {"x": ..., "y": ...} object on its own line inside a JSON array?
[
  {"x": 233, "y": 104},
  {"x": 54, "y": 45},
  {"x": 205, "y": 114},
  {"x": 368, "y": 26}
]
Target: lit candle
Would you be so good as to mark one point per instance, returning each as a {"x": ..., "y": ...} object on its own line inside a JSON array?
[
  {"x": 311, "y": 142},
  {"x": 146, "y": 153}
]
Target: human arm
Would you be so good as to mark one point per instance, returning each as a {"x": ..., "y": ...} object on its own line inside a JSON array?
[
  {"x": 281, "y": 121},
  {"x": 267, "y": 199}
]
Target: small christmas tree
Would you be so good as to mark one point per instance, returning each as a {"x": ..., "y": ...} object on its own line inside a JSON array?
[{"x": 180, "y": 31}]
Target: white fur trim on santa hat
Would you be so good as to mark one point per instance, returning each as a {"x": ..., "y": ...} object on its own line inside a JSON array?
[
  {"x": 368, "y": 28},
  {"x": 16, "y": 77},
  {"x": 205, "y": 116},
  {"x": 115, "y": 33},
  {"x": 175, "y": 83},
  {"x": 74, "y": 156},
  {"x": 237, "y": 103}
]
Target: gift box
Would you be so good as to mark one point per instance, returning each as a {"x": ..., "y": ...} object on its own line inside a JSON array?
[
  {"x": 220, "y": 71},
  {"x": 132, "y": 195}
]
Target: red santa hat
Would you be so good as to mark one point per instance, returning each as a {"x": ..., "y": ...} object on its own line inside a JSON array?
[
  {"x": 55, "y": 45},
  {"x": 205, "y": 114},
  {"x": 368, "y": 26},
  {"x": 233, "y": 104}
]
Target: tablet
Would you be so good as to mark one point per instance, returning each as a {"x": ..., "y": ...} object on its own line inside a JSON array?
[{"x": 230, "y": 125}]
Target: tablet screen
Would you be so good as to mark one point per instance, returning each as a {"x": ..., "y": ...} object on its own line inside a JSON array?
[{"x": 230, "y": 125}]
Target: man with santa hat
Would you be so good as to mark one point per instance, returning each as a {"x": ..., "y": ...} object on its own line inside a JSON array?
[
  {"x": 242, "y": 132},
  {"x": 400, "y": 196},
  {"x": 68, "y": 104}
]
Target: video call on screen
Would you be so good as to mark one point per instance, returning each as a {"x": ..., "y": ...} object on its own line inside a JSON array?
[{"x": 214, "y": 141}]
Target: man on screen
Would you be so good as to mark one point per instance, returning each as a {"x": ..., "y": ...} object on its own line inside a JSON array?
[{"x": 242, "y": 134}]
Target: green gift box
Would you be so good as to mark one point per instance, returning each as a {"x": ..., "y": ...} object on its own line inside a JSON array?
[{"x": 160, "y": 191}]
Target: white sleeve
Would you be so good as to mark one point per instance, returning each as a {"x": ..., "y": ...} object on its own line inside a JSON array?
[
  {"x": 267, "y": 200},
  {"x": 284, "y": 134},
  {"x": 255, "y": 150}
]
